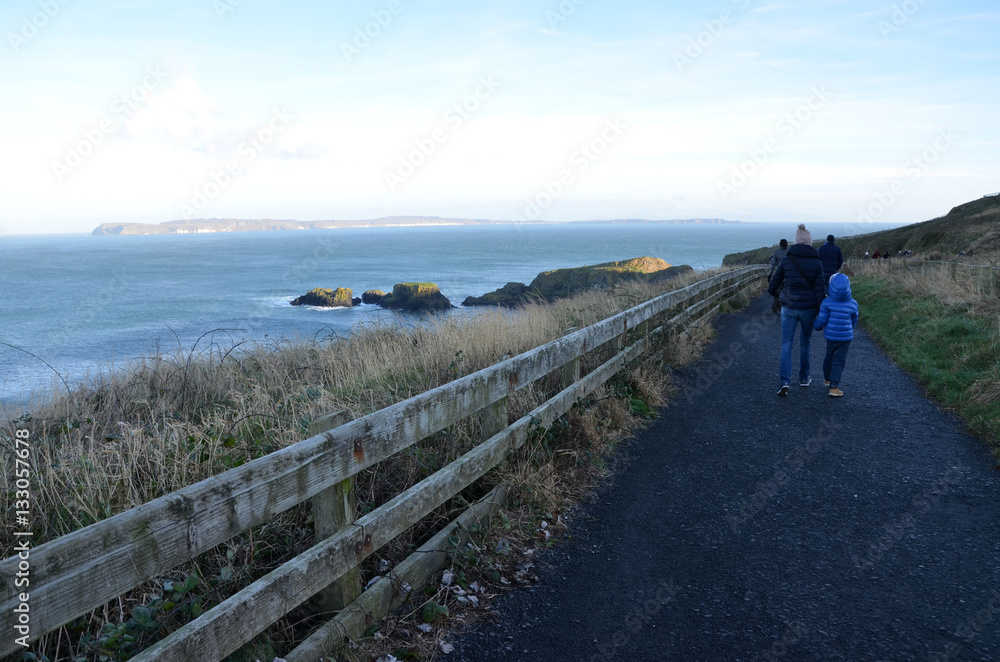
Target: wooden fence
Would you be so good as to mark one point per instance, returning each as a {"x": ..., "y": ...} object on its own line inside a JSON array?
[{"x": 79, "y": 572}]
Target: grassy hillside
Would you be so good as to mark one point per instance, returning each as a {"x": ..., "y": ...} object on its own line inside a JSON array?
[
  {"x": 973, "y": 228},
  {"x": 942, "y": 329}
]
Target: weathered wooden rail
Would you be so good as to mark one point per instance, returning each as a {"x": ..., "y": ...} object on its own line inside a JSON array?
[{"x": 79, "y": 572}]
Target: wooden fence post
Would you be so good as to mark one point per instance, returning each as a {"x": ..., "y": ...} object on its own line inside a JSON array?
[
  {"x": 618, "y": 344},
  {"x": 494, "y": 417},
  {"x": 642, "y": 330},
  {"x": 571, "y": 372},
  {"x": 333, "y": 509}
]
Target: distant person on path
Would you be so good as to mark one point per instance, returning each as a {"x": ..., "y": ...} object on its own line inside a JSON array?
[
  {"x": 801, "y": 273},
  {"x": 832, "y": 258},
  {"x": 838, "y": 315},
  {"x": 876, "y": 255},
  {"x": 776, "y": 258}
]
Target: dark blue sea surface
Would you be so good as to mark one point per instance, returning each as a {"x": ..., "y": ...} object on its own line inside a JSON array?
[{"x": 85, "y": 304}]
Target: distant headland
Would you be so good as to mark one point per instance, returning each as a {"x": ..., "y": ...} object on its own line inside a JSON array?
[
  {"x": 202, "y": 226},
  {"x": 678, "y": 221}
]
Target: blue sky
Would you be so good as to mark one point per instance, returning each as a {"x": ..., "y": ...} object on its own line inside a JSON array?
[{"x": 836, "y": 110}]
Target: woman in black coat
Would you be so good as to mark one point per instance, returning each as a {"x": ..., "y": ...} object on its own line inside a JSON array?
[{"x": 801, "y": 273}]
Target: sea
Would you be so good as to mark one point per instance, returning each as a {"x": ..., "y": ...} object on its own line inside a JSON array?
[{"x": 75, "y": 306}]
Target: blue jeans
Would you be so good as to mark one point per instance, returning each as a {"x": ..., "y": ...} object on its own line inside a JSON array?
[
  {"x": 790, "y": 317},
  {"x": 833, "y": 364}
]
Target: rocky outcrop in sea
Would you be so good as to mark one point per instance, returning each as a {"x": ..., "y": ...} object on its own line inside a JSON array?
[
  {"x": 415, "y": 297},
  {"x": 341, "y": 297}
]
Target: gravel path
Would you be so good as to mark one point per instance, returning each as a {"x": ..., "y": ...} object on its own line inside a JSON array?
[{"x": 743, "y": 526}]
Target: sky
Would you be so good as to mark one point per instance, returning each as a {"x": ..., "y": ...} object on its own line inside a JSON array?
[{"x": 850, "y": 111}]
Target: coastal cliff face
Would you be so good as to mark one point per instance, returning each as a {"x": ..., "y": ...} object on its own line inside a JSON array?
[
  {"x": 511, "y": 294},
  {"x": 562, "y": 283},
  {"x": 372, "y": 296}
]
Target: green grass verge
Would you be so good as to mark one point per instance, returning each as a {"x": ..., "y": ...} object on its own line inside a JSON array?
[{"x": 956, "y": 357}]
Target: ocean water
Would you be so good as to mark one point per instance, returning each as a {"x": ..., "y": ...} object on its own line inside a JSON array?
[{"x": 77, "y": 305}]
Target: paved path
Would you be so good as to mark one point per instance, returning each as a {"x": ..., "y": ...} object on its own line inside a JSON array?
[{"x": 749, "y": 527}]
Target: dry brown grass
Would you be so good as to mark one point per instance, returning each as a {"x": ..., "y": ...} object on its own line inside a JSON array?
[
  {"x": 958, "y": 285},
  {"x": 169, "y": 421}
]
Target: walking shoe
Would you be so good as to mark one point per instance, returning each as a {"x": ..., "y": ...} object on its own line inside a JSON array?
[
  {"x": 826, "y": 382},
  {"x": 783, "y": 391},
  {"x": 835, "y": 392},
  {"x": 807, "y": 382}
]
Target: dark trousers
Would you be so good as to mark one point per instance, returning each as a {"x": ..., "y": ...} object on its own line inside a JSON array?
[{"x": 833, "y": 363}]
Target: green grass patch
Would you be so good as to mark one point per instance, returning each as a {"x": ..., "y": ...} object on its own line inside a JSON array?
[{"x": 955, "y": 356}]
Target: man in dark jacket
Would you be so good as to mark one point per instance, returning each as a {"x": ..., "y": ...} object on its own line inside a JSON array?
[
  {"x": 801, "y": 272},
  {"x": 832, "y": 258}
]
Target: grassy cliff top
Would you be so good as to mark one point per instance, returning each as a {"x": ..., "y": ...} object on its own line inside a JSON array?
[
  {"x": 973, "y": 227},
  {"x": 564, "y": 282},
  {"x": 643, "y": 265},
  {"x": 415, "y": 289}
]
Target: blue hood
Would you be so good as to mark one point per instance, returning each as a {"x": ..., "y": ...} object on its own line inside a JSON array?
[{"x": 840, "y": 288}]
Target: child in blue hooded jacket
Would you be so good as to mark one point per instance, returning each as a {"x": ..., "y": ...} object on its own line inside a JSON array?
[{"x": 839, "y": 315}]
